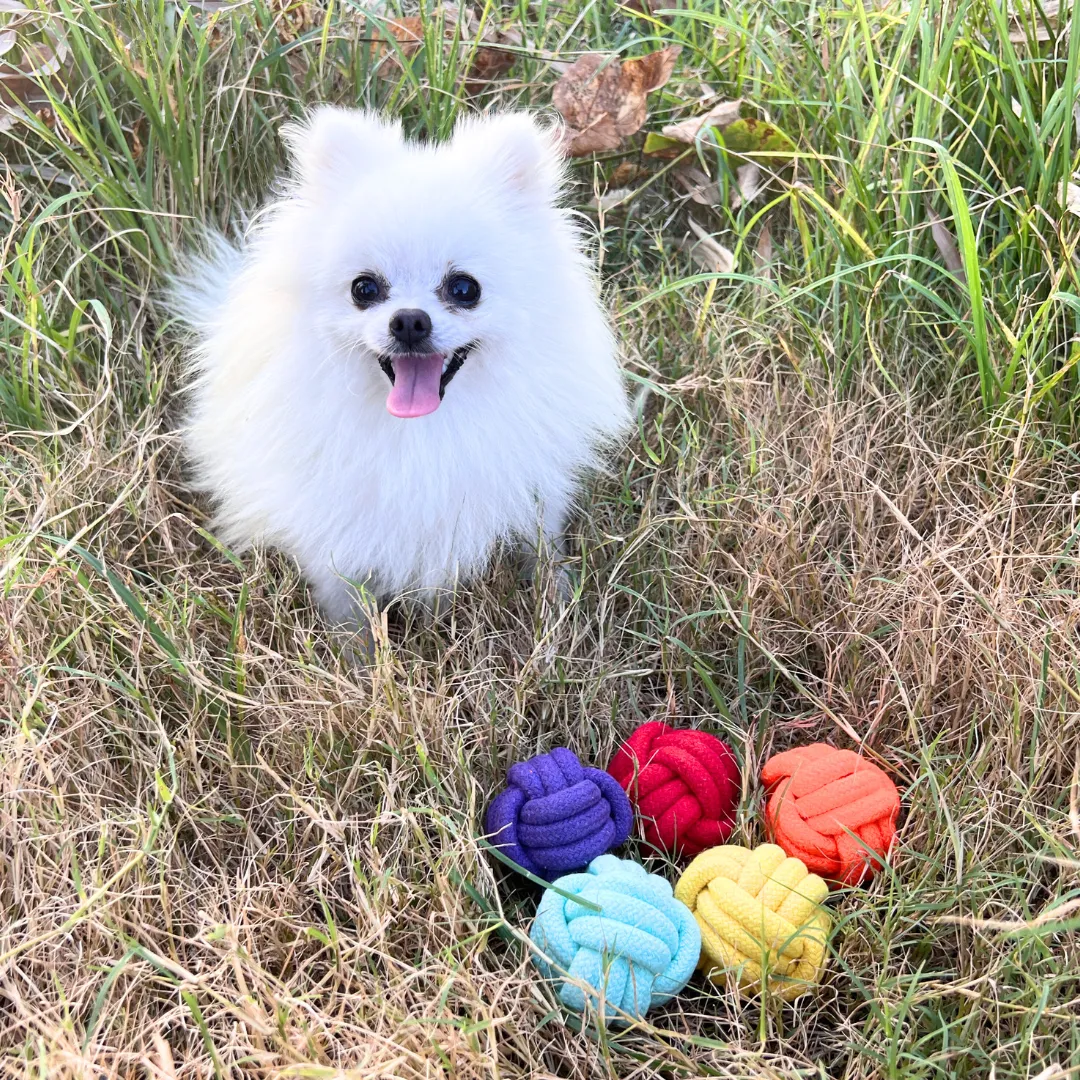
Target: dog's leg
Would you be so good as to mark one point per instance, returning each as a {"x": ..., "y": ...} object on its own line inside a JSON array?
[
  {"x": 550, "y": 549},
  {"x": 341, "y": 606}
]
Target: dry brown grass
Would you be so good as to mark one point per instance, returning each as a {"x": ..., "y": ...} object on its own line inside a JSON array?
[
  {"x": 256, "y": 859},
  {"x": 226, "y": 852}
]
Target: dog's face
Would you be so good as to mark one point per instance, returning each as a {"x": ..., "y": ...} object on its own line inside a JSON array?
[{"x": 422, "y": 257}]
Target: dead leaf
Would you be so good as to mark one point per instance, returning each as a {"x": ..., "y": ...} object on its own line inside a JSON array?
[
  {"x": 487, "y": 66},
  {"x": 7, "y": 41},
  {"x": 142, "y": 73},
  {"x": 707, "y": 252},
  {"x": 139, "y": 132},
  {"x": 611, "y": 199},
  {"x": 1070, "y": 196},
  {"x": 750, "y": 184},
  {"x": 166, "y": 1066},
  {"x": 627, "y": 173},
  {"x": 30, "y": 74},
  {"x": 743, "y": 139},
  {"x": 720, "y": 115},
  {"x": 1029, "y": 25},
  {"x": 292, "y": 18},
  {"x": 42, "y": 60},
  {"x": 748, "y": 136},
  {"x": 408, "y": 32},
  {"x": 403, "y": 36},
  {"x": 945, "y": 242},
  {"x": 763, "y": 252},
  {"x": 698, "y": 186},
  {"x": 602, "y": 99},
  {"x": 490, "y": 61}
]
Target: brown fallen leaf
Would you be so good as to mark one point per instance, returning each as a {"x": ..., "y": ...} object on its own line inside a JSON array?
[
  {"x": 488, "y": 64},
  {"x": 391, "y": 38},
  {"x": 602, "y": 99},
  {"x": 720, "y": 115},
  {"x": 698, "y": 186},
  {"x": 292, "y": 18},
  {"x": 32, "y": 73},
  {"x": 408, "y": 32},
  {"x": 763, "y": 252},
  {"x": 627, "y": 173},
  {"x": 708, "y": 252},
  {"x": 490, "y": 61},
  {"x": 750, "y": 184},
  {"x": 138, "y": 137},
  {"x": 945, "y": 242}
]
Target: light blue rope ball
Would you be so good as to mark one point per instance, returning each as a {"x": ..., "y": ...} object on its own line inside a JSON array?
[{"x": 637, "y": 952}]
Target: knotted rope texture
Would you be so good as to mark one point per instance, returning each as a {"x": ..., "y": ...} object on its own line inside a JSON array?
[
  {"x": 759, "y": 918},
  {"x": 831, "y": 808},
  {"x": 685, "y": 786},
  {"x": 635, "y": 953},
  {"x": 556, "y": 814}
]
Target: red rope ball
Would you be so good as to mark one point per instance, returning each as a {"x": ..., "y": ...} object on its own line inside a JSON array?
[
  {"x": 685, "y": 785},
  {"x": 831, "y": 808}
]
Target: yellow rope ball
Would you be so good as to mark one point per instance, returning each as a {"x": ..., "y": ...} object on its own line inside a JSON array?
[{"x": 759, "y": 911}]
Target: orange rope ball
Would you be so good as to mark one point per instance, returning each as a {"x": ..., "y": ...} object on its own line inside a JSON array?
[{"x": 832, "y": 809}]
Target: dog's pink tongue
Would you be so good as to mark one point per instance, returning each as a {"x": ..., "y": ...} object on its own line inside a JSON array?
[{"x": 416, "y": 385}]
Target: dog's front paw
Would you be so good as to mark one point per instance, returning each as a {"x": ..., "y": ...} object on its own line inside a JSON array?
[
  {"x": 549, "y": 575},
  {"x": 564, "y": 584}
]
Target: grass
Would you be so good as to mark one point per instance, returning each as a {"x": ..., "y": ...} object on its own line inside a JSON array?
[{"x": 848, "y": 512}]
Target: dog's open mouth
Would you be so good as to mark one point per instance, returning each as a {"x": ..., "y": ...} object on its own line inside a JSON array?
[{"x": 419, "y": 380}]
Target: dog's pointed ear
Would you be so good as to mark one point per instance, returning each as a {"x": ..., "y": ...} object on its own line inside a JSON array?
[
  {"x": 335, "y": 146},
  {"x": 521, "y": 151}
]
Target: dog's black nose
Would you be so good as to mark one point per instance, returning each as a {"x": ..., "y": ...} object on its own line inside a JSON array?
[{"x": 410, "y": 326}]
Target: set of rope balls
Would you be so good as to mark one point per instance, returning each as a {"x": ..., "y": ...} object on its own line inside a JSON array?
[{"x": 610, "y": 932}]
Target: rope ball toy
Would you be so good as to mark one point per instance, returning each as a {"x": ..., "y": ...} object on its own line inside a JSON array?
[
  {"x": 636, "y": 952},
  {"x": 556, "y": 814},
  {"x": 831, "y": 808},
  {"x": 760, "y": 919},
  {"x": 684, "y": 784}
]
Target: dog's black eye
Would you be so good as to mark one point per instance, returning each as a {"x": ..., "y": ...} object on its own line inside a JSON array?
[
  {"x": 462, "y": 290},
  {"x": 367, "y": 290}
]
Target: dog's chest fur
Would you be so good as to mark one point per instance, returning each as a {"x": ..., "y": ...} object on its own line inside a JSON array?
[{"x": 319, "y": 468}]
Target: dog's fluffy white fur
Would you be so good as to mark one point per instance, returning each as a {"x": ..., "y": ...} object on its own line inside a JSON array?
[{"x": 288, "y": 428}]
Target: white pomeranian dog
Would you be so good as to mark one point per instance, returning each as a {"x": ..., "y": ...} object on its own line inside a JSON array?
[{"x": 406, "y": 364}]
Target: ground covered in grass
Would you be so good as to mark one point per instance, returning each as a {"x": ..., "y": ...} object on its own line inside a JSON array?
[{"x": 849, "y": 512}]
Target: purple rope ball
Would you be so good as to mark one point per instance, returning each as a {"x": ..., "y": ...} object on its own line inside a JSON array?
[{"x": 557, "y": 815}]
